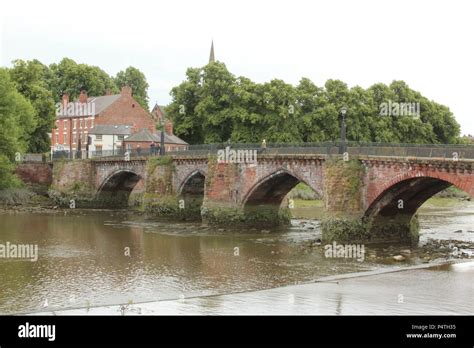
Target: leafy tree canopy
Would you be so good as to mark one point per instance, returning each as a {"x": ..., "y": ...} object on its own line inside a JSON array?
[
  {"x": 213, "y": 105},
  {"x": 136, "y": 80},
  {"x": 17, "y": 122}
]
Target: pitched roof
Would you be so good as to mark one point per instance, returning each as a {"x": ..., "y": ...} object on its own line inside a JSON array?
[
  {"x": 99, "y": 104},
  {"x": 143, "y": 135},
  {"x": 103, "y": 102},
  {"x": 161, "y": 108},
  {"x": 146, "y": 136},
  {"x": 109, "y": 129},
  {"x": 171, "y": 139}
]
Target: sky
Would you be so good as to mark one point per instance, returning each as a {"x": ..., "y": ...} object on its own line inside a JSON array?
[{"x": 428, "y": 44}]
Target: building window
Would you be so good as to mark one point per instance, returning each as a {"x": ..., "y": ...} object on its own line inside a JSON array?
[
  {"x": 65, "y": 138},
  {"x": 74, "y": 138},
  {"x": 92, "y": 123},
  {"x": 98, "y": 137},
  {"x": 75, "y": 123},
  {"x": 80, "y": 123}
]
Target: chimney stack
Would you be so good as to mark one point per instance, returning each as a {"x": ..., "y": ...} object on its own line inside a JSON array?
[
  {"x": 65, "y": 100},
  {"x": 126, "y": 90},
  {"x": 169, "y": 128},
  {"x": 83, "y": 97}
]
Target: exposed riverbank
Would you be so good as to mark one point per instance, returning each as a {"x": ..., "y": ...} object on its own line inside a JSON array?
[{"x": 441, "y": 289}]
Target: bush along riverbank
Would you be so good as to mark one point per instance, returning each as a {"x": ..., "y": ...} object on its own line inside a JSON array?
[{"x": 27, "y": 198}]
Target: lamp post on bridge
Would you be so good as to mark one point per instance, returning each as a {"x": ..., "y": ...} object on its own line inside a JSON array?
[
  {"x": 162, "y": 138},
  {"x": 343, "y": 146},
  {"x": 162, "y": 143}
]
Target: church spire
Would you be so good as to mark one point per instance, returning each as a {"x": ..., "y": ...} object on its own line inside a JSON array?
[{"x": 211, "y": 55}]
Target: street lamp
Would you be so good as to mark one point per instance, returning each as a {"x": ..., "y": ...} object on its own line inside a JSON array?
[{"x": 343, "y": 147}]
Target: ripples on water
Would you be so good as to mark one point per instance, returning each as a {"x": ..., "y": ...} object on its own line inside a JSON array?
[{"x": 82, "y": 259}]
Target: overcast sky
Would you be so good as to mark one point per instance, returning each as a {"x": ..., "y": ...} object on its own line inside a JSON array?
[{"x": 428, "y": 44}]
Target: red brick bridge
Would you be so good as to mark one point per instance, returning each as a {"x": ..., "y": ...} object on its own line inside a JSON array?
[{"x": 368, "y": 195}]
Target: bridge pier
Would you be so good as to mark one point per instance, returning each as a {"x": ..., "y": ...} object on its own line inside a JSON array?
[
  {"x": 402, "y": 228},
  {"x": 160, "y": 198},
  {"x": 221, "y": 197},
  {"x": 226, "y": 189},
  {"x": 343, "y": 195},
  {"x": 346, "y": 185},
  {"x": 72, "y": 182}
]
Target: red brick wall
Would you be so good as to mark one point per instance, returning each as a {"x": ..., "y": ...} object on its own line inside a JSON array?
[
  {"x": 35, "y": 173},
  {"x": 68, "y": 128}
]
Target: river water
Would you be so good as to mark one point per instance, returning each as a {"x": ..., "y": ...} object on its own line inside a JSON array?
[{"x": 100, "y": 258}]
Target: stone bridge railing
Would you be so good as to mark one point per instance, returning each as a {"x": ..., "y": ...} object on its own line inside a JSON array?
[{"x": 445, "y": 151}]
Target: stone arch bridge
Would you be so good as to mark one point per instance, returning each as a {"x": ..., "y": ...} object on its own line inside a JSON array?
[{"x": 366, "y": 197}]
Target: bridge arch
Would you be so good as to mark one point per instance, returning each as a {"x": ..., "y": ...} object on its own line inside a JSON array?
[
  {"x": 391, "y": 212},
  {"x": 116, "y": 188},
  {"x": 191, "y": 192},
  {"x": 193, "y": 174},
  {"x": 267, "y": 194}
]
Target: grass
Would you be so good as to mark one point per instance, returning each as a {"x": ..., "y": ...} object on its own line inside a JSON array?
[
  {"x": 439, "y": 202},
  {"x": 304, "y": 203}
]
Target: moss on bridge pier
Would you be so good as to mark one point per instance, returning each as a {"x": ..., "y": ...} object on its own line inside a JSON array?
[
  {"x": 262, "y": 215},
  {"x": 360, "y": 230},
  {"x": 345, "y": 220}
]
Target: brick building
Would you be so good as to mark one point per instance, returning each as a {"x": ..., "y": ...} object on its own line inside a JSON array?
[
  {"x": 158, "y": 113},
  {"x": 144, "y": 139},
  {"x": 75, "y": 120}
]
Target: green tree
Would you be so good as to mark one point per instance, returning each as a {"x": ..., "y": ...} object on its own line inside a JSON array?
[
  {"x": 217, "y": 101},
  {"x": 211, "y": 105},
  {"x": 280, "y": 112},
  {"x": 136, "y": 80},
  {"x": 186, "y": 96},
  {"x": 17, "y": 122},
  {"x": 70, "y": 77},
  {"x": 30, "y": 80}
]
